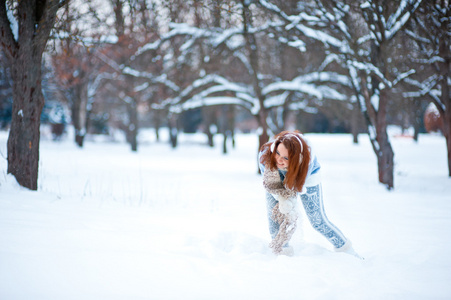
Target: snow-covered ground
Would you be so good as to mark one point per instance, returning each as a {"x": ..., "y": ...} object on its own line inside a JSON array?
[{"x": 190, "y": 223}]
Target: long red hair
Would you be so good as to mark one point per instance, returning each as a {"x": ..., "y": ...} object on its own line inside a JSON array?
[{"x": 296, "y": 172}]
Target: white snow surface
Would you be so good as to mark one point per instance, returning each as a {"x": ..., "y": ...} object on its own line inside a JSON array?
[{"x": 190, "y": 223}]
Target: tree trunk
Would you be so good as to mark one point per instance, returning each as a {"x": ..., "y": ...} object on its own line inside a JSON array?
[
  {"x": 377, "y": 132},
  {"x": 210, "y": 136},
  {"x": 24, "y": 49},
  {"x": 448, "y": 144},
  {"x": 132, "y": 128},
  {"x": 263, "y": 138},
  {"x": 252, "y": 49},
  {"x": 173, "y": 131},
  {"x": 385, "y": 162},
  {"x": 23, "y": 140},
  {"x": 224, "y": 141},
  {"x": 355, "y": 123},
  {"x": 224, "y": 126},
  {"x": 173, "y": 136},
  {"x": 231, "y": 118},
  {"x": 417, "y": 117},
  {"x": 444, "y": 70},
  {"x": 227, "y": 123},
  {"x": 79, "y": 112},
  {"x": 208, "y": 115},
  {"x": 157, "y": 124},
  {"x": 445, "y": 95},
  {"x": 385, "y": 154},
  {"x": 157, "y": 133},
  {"x": 25, "y": 56},
  {"x": 446, "y": 116}
]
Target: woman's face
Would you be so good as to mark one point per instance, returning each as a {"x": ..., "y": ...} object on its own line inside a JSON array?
[{"x": 282, "y": 156}]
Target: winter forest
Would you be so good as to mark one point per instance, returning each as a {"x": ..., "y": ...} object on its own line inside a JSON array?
[
  {"x": 111, "y": 103},
  {"x": 218, "y": 66}
]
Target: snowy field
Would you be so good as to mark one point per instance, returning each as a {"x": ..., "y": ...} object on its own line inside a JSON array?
[{"x": 190, "y": 223}]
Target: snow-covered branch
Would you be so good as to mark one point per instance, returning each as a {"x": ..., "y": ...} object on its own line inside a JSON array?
[
  {"x": 402, "y": 15},
  {"x": 308, "y": 84},
  {"x": 212, "y": 36},
  {"x": 153, "y": 78},
  {"x": 427, "y": 87},
  {"x": 371, "y": 69},
  {"x": 299, "y": 22},
  {"x": 197, "y": 102},
  {"x": 403, "y": 76},
  {"x": 220, "y": 84},
  {"x": 385, "y": 30},
  {"x": 176, "y": 30},
  {"x": 92, "y": 87}
]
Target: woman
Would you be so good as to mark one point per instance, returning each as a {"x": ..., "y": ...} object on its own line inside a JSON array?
[{"x": 290, "y": 169}]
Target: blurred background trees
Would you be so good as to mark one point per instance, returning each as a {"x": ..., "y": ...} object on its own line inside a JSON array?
[{"x": 217, "y": 66}]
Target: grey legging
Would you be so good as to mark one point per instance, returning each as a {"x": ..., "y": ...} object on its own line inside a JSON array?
[{"x": 312, "y": 201}]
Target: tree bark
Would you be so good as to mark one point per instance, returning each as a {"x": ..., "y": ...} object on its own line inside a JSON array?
[
  {"x": 227, "y": 122},
  {"x": 417, "y": 114},
  {"x": 173, "y": 131},
  {"x": 132, "y": 128},
  {"x": 157, "y": 123},
  {"x": 35, "y": 19},
  {"x": 79, "y": 112},
  {"x": 446, "y": 116},
  {"x": 385, "y": 155},
  {"x": 377, "y": 130},
  {"x": 24, "y": 135},
  {"x": 445, "y": 92},
  {"x": 448, "y": 144},
  {"x": 231, "y": 123},
  {"x": 355, "y": 114},
  {"x": 252, "y": 49},
  {"x": 224, "y": 142},
  {"x": 208, "y": 116}
]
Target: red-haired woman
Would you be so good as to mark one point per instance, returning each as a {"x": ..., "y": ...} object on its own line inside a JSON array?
[{"x": 290, "y": 169}]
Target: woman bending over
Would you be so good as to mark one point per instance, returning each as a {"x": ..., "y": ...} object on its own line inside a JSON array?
[{"x": 290, "y": 169}]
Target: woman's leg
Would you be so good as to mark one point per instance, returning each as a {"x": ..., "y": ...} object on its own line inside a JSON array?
[{"x": 312, "y": 201}]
